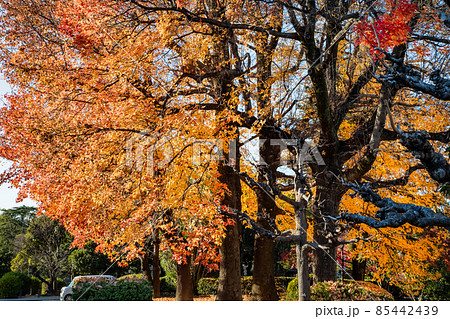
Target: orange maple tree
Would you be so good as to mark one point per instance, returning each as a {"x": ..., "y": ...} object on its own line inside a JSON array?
[{"x": 103, "y": 88}]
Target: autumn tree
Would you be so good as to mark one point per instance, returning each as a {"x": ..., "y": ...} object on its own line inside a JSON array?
[
  {"x": 112, "y": 194},
  {"x": 92, "y": 76}
]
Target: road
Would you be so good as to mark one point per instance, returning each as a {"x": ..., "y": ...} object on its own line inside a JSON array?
[{"x": 33, "y": 298}]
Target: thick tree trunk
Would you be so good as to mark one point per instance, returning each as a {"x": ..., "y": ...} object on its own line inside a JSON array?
[
  {"x": 230, "y": 265},
  {"x": 145, "y": 266},
  {"x": 263, "y": 274},
  {"x": 185, "y": 289},
  {"x": 328, "y": 197},
  {"x": 324, "y": 265},
  {"x": 263, "y": 287},
  {"x": 155, "y": 263}
]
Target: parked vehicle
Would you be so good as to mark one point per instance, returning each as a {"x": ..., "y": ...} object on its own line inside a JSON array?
[{"x": 66, "y": 292}]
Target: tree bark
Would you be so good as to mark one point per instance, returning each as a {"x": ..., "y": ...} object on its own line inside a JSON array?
[
  {"x": 145, "y": 266},
  {"x": 230, "y": 264},
  {"x": 263, "y": 287},
  {"x": 358, "y": 269},
  {"x": 155, "y": 263},
  {"x": 301, "y": 229},
  {"x": 52, "y": 286},
  {"x": 328, "y": 196},
  {"x": 185, "y": 291},
  {"x": 304, "y": 288}
]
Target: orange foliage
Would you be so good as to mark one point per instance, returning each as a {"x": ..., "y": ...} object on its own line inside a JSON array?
[{"x": 87, "y": 112}]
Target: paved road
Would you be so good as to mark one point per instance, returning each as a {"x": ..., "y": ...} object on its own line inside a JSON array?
[{"x": 33, "y": 298}]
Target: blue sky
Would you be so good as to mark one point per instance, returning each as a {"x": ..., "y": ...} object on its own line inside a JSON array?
[{"x": 8, "y": 194}]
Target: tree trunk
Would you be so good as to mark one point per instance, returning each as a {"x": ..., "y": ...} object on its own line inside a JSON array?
[
  {"x": 52, "y": 286},
  {"x": 185, "y": 290},
  {"x": 263, "y": 287},
  {"x": 230, "y": 264},
  {"x": 145, "y": 266},
  {"x": 358, "y": 269},
  {"x": 328, "y": 197},
  {"x": 301, "y": 229},
  {"x": 155, "y": 263},
  {"x": 230, "y": 270},
  {"x": 304, "y": 288}
]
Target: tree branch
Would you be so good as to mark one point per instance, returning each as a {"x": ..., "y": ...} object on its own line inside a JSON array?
[
  {"x": 402, "y": 181},
  {"x": 404, "y": 75},
  {"x": 354, "y": 94},
  {"x": 194, "y": 17},
  {"x": 392, "y": 214},
  {"x": 417, "y": 143}
]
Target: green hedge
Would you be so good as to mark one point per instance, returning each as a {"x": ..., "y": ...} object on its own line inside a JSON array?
[
  {"x": 281, "y": 283},
  {"x": 438, "y": 289},
  {"x": 246, "y": 285},
  {"x": 13, "y": 284},
  {"x": 208, "y": 286},
  {"x": 121, "y": 290},
  {"x": 341, "y": 291},
  {"x": 132, "y": 277},
  {"x": 168, "y": 287}
]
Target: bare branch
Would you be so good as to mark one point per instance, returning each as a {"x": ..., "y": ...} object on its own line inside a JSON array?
[
  {"x": 194, "y": 17},
  {"x": 402, "y": 181}
]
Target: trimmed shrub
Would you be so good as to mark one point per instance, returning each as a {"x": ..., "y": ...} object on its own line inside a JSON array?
[
  {"x": 282, "y": 283},
  {"x": 246, "y": 285},
  {"x": 168, "y": 286},
  {"x": 25, "y": 283},
  {"x": 14, "y": 284},
  {"x": 208, "y": 286},
  {"x": 341, "y": 291},
  {"x": 132, "y": 277},
  {"x": 121, "y": 290},
  {"x": 10, "y": 285},
  {"x": 292, "y": 290}
]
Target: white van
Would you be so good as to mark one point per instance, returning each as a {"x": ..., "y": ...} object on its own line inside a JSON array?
[{"x": 66, "y": 292}]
